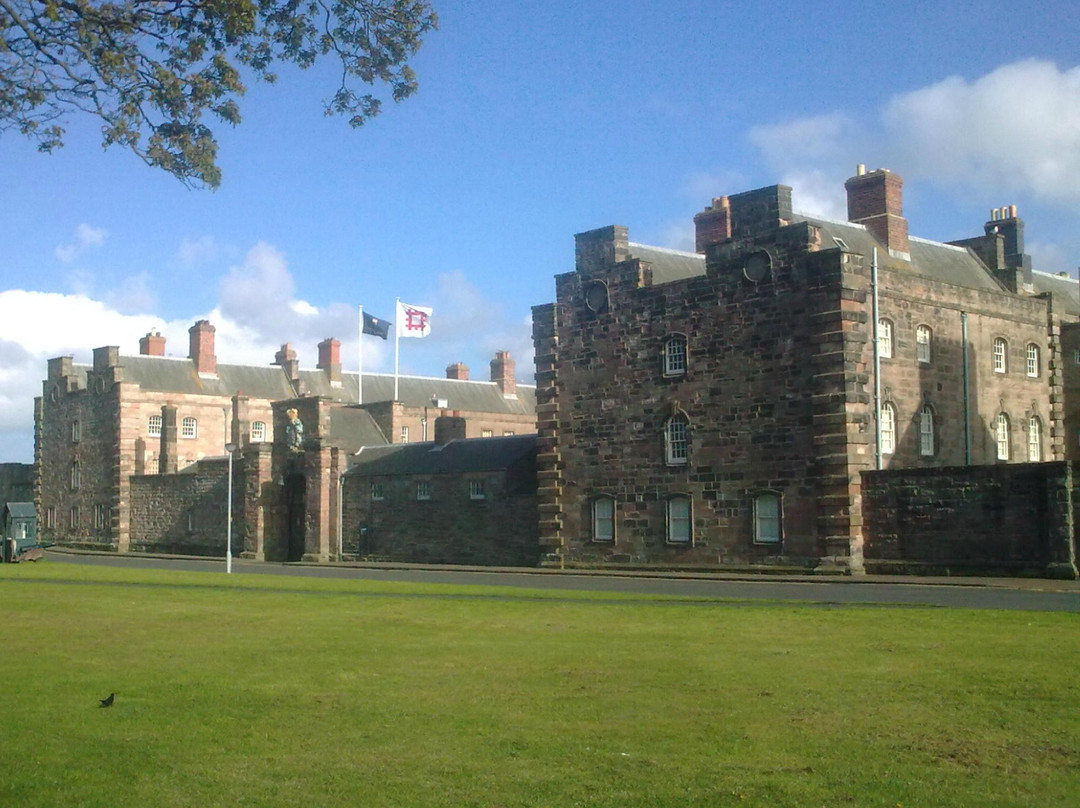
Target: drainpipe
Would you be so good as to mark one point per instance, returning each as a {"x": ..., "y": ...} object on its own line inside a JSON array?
[
  {"x": 967, "y": 379},
  {"x": 877, "y": 360}
]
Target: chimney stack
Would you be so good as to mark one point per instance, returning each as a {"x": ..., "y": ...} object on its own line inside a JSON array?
[
  {"x": 286, "y": 357},
  {"x": 712, "y": 225},
  {"x": 502, "y": 373},
  {"x": 330, "y": 359},
  {"x": 875, "y": 199},
  {"x": 448, "y": 428},
  {"x": 153, "y": 344},
  {"x": 458, "y": 370},
  {"x": 202, "y": 348}
]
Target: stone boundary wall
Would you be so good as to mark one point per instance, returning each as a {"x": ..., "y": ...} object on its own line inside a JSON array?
[{"x": 1010, "y": 518}]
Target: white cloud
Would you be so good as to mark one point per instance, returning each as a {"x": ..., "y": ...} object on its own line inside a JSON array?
[
  {"x": 817, "y": 193},
  {"x": 85, "y": 237},
  {"x": 197, "y": 250},
  {"x": 818, "y": 138}
]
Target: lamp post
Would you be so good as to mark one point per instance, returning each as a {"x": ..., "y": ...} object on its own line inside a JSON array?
[{"x": 230, "y": 448}]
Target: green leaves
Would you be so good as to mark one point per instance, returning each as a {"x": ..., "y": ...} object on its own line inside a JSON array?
[{"x": 151, "y": 70}]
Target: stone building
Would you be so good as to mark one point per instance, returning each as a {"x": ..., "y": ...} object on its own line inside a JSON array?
[
  {"x": 719, "y": 407},
  {"x": 100, "y": 429}
]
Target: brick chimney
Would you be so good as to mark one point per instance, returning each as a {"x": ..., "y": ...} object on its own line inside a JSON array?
[
  {"x": 502, "y": 373},
  {"x": 153, "y": 344},
  {"x": 712, "y": 225},
  {"x": 1007, "y": 230},
  {"x": 875, "y": 199},
  {"x": 330, "y": 359},
  {"x": 286, "y": 357},
  {"x": 202, "y": 347},
  {"x": 458, "y": 370},
  {"x": 448, "y": 428}
]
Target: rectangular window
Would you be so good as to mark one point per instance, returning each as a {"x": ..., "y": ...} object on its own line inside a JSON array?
[
  {"x": 678, "y": 520},
  {"x": 922, "y": 343},
  {"x": 509, "y": 433},
  {"x": 376, "y": 491},
  {"x": 100, "y": 513},
  {"x": 926, "y": 433},
  {"x": 885, "y": 344},
  {"x": 404, "y": 434},
  {"x": 999, "y": 356},
  {"x": 677, "y": 441},
  {"x": 258, "y": 431},
  {"x": 73, "y": 517},
  {"x": 423, "y": 490},
  {"x": 76, "y": 432},
  {"x": 476, "y": 489},
  {"x": 153, "y": 426},
  {"x": 767, "y": 519},
  {"x": 50, "y": 517},
  {"x": 603, "y": 519},
  {"x": 675, "y": 356},
  {"x": 189, "y": 428},
  {"x": 888, "y": 429},
  {"x": 1001, "y": 434},
  {"x": 485, "y": 433},
  {"x": 1032, "y": 360}
]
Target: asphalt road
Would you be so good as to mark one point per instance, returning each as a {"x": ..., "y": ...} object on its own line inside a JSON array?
[{"x": 965, "y": 593}]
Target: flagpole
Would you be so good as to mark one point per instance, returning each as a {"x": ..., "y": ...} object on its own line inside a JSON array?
[
  {"x": 397, "y": 341},
  {"x": 360, "y": 350}
]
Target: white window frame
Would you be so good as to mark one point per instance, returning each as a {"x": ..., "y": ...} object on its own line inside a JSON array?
[
  {"x": 1032, "y": 360},
  {"x": 924, "y": 338},
  {"x": 73, "y": 517},
  {"x": 675, "y": 355},
  {"x": 1001, "y": 436},
  {"x": 887, "y": 428},
  {"x": 603, "y": 519},
  {"x": 885, "y": 338},
  {"x": 926, "y": 432},
  {"x": 1034, "y": 439},
  {"x": 476, "y": 489},
  {"x": 508, "y": 433},
  {"x": 680, "y": 520},
  {"x": 189, "y": 428},
  {"x": 258, "y": 431},
  {"x": 76, "y": 476},
  {"x": 768, "y": 518},
  {"x": 153, "y": 426},
  {"x": 1001, "y": 355},
  {"x": 404, "y": 435},
  {"x": 677, "y": 440},
  {"x": 423, "y": 490},
  {"x": 50, "y": 517},
  {"x": 377, "y": 492},
  {"x": 99, "y": 516},
  {"x": 486, "y": 433}
]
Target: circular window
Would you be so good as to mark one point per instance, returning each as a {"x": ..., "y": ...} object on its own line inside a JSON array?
[
  {"x": 99, "y": 385},
  {"x": 54, "y": 394},
  {"x": 596, "y": 297},
  {"x": 758, "y": 266}
]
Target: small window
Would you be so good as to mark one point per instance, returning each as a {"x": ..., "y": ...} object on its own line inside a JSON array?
[
  {"x": 679, "y": 521},
  {"x": 476, "y": 489},
  {"x": 923, "y": 340},
  {"x": 767, "y": 519},
  {"x": 423, "y": 490},
  {"x": 404, "y": 434},
  {"x": 1034, "y": 439},
  {"x": 485, "y": 433},
  {"x": 676, "y": 439},
  {"x": 675, "y": 355},
  {"x": 926, "y": 432},
  {"x": 50, "y": 517},
  {"x": 1001, "y": 436},
  {"x": 153, "y": 426},
  {"x": 509, "y": 433},
  {"x": 258, "y": 431},
  {"x": 377, "y": 491},
  {"x": 1032, "y": 360},
  {"x": 887, "y": 427},
  {"x": 1076, "y": 356},
  {"x": 100, "y": 513},
  {"x": 76, "y": 476},
  {"x": 1001, "y": 355},
  {"x": 73, "y": 517},
  {"x": 76, "y": 432},
  {"x": 885, "y": 338},
  {"x": 189, "y": 428},
  {"x": 603, "y": 519}
]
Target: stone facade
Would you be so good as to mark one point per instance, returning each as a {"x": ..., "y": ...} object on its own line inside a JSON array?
[{"x": 720, "y": 408}]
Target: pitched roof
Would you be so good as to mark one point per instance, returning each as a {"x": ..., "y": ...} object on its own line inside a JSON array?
[
  {"x": 453, "y": 457},
  {"x": 21, "y": 510},
  {"x": 352, "y": 427},
  {"x": 669, "y": 265},
  {"x": 1066, "y": 291}
]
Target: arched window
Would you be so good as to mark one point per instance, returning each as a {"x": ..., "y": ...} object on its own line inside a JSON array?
[
  {"x": 1001, "y": 355},
  {"x": 1032, "y": 360},
  {"x": 603, "y": 519},
  {"x": 1034, "y": 439},
  {"x": 768, "y": 526},
  {"x": 153, "y": 426},
  {"x": 923, "y": 343},
  {"x": 679, "y": 520},
  {"x": 189, "y": 428},
  {"x": 885, "y": 338},
  {"x": 258, "y": 431},
  {"x": 926, "y": 432},
  {"x": 76, "y": 476},
  {"x": 677, "y": 440},
  {"x": 887, "y": 427},
  {"x": 1001, "y": 436},
  {"x": 675, "y": 355}
]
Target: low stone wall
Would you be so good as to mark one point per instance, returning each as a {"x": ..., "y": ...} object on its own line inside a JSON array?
[
  {"x": 185, "y": 513},
  {"x": 1009, "y": 518}
]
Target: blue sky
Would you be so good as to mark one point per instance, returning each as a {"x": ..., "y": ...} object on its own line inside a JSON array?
[{"x": 534, "y": 121}]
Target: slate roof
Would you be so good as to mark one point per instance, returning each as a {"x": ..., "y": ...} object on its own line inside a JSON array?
[
  {"x": 1066, "y": 291},
  {"x": 669, "y": 265},
  {"x": 21, "y": 510},
  {"x": 352, "y": 427},
  {"x": 453, "y": 457}
]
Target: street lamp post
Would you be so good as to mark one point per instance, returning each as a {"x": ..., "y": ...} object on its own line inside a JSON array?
[{"x": 230, "y": 448}]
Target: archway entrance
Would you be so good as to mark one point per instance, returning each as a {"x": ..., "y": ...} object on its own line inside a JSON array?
[{"x": 296, "y": 516}]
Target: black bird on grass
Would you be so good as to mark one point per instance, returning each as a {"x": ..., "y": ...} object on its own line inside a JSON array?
[{"x": 107, "y": 702}]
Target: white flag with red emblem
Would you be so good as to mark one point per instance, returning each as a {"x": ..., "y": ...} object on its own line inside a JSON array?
[{"x": 413, "y": 321}]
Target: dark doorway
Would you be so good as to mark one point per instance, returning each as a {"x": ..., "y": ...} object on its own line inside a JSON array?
[{"x": 296, "y": 505}]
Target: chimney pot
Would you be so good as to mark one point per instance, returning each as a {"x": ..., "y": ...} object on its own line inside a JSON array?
[
  {"x": 502, "y": 373},
  {"x": 860, "y": 169}
]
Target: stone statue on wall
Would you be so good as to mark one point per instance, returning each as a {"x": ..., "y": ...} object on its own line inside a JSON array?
[{"x": 294, "y": 431}]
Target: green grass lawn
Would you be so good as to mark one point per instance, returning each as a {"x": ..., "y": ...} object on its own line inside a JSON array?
[{"x": 266, "y": 691}]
